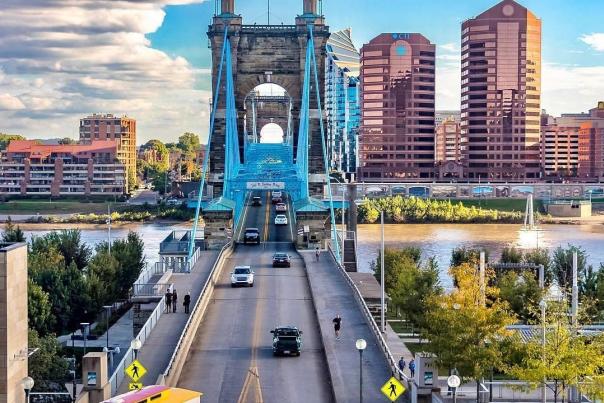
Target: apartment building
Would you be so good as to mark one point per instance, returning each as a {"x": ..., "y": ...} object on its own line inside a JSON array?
[
  {"x": 110, "y": 127},
  {"x": 397, "y": 108},
  {"x": 501, "y": 93},
  {"x": 591, "y": 145},
  {"x": 28, "y": 168},
  {"x": 449, "y": 145}
]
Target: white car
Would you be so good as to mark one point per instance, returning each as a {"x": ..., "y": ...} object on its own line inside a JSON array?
[
  {"x": 280, "y": 219},
  {"x": 277, "y": 193},
  {"x": 281, "y": 207},
  {"x": 242, "y": 275}
]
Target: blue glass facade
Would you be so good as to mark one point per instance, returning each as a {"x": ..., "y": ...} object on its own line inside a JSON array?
[{"x": 342, "y": 102}]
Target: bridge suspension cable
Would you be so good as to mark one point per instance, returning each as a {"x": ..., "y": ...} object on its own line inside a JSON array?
[{"x": 206, "y": 157}]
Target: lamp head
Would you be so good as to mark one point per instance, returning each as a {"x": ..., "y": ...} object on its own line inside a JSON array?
[
  {"x": 27, "y": 383},
  {"x": 361, "y": 344},
  {"x": 136, "y": 344}
]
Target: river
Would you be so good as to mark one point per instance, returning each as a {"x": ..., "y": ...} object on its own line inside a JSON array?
[{"x": 438, "y": 240}]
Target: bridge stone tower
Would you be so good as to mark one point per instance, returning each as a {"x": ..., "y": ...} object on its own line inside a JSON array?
[{"x": 268, "y": 54}]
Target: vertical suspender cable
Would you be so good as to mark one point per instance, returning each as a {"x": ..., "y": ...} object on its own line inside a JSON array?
[
  {"x": 207, "y": 153},
  {"x": 325, "y": 162}
]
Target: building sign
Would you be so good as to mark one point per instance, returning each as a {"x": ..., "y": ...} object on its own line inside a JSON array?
[
  {"x": 91, "y": 378},
  {"x": 265, "y": 185}
]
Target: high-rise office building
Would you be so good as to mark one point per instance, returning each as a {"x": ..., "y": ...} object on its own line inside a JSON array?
[
  {"x": 591, "y": 145},
  {"x": 110, "y": 127},
  {"x": 501, "y": 93},
  {"x": 397, "y": 108},
  {"x": 448, "y": 140},
  {"x": 342, "y": 101}
]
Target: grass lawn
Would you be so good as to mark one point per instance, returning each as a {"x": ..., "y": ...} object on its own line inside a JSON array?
[
  {"x": 500, "y": 204},
  {"x": 54, "y": 207}
]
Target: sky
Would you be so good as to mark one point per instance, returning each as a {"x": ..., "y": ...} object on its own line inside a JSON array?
[{"x": 149, "y": 59}]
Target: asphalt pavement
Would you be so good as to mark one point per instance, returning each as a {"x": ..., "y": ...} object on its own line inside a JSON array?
[{"x": 231, "y": 357}]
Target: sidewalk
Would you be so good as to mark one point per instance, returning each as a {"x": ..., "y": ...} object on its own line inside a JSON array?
[
  {"x": 332, "y": 295},
  {"x": 160, "y": 345}
]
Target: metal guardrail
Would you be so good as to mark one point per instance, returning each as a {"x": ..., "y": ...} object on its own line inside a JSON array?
[
  {"x": 177, "y": 360},
  {"x": 374, "y": 326},
  {"x": 150, "y": 289},
  {"x": 118, "y": 374}
]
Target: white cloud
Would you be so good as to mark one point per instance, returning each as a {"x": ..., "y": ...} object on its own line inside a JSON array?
[
  {"x": 595, "y": 40},
  {"x": 10, "y": 103},
  {"x": 63, "y": 59},
  {"x": 450, "y": 47},
  {"x": 448, "y": 86},
  {"x": 567, "y": 89}
]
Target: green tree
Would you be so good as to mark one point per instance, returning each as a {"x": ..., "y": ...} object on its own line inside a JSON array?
[
  {"x": 567, "y": 359},
  {"x": 540, "y": 256},
  {"x": 562, "y": 264},
  {"x": 162, "y": 156},
  {"x": 68, "y": 243},
  {"x": 5, "y": 139},
  {"x": 522, "y": 293},
  {"x": 465, "y": 330},
  {"x": 67, "y": 141},
  {"x": 189, "y": 143},
  {"x": 102, "y": 279},
  {"x": 39, "y": 313},
  {"x": 46, "y": 364},
  {"x": 12, "y": 233},
  {"x": 511, "y": 254},
  {"x": 462, "y": 254}
]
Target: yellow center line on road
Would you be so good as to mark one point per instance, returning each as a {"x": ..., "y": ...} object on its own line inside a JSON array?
[{"x": 253, "y": 375}]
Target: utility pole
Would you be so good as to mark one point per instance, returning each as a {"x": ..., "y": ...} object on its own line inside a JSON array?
[
  {"x": 109, "y": 227},
  {"x": 268, "y": 11}
]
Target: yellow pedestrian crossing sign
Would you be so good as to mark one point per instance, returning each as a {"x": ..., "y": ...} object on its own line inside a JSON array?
[
  {"x": 135, "y": 386},
  {"x": 393, "y": 389},
  {"x": 135, "y": 370}
]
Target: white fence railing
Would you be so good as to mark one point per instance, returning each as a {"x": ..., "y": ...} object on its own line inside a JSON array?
[
  {"x": 174, "y": 368},
  {"x": 118, "y": 374},
  {"x": 375, "y": 328}
]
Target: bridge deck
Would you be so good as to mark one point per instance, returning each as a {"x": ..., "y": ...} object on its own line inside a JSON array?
[
  {"x": 157, "y": 350},
  {"x": 333, "y": 296}
]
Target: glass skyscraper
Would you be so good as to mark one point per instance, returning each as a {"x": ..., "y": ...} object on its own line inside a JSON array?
[{"x": 342, "y": 101}]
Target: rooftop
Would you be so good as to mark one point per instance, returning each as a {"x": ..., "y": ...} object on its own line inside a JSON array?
[{"x": 43, "y": 150}]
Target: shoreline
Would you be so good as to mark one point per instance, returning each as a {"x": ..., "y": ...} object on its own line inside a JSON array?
[{"x": 71, "y": 225}]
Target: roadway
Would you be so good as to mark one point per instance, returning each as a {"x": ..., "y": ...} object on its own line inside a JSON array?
[{"x": 231, "y": 357}]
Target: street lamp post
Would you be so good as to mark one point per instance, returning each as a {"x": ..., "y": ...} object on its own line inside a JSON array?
[
  {"x": 382, "y": 271},
  {"x": 136, "y": 345},
  {"x": 361, "y": 344},
  {"x": 28, "y": 384},
  {"x": 109, "y": 227},
  {"x": 343, "y": 210},
  {"x": 543, "y": 306}
]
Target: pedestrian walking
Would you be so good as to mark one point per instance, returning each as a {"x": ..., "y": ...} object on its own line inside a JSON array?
[
  {"x": 402, "y": 364},
  {"x": 317, "y": 253},
  {"x": 168, "y": 301},
  {"x": 337, "y": 323},
  {"x": 174, "y": 300},
  {"x": 187, "y": 302},
  {"x": 412, "y": 368}
]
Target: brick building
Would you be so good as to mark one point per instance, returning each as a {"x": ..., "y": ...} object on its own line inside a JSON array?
[
  {"x": 397, "y": 108},
  {"x": 591, "y": 145},
  {"x": 110, "y": 127},
  {"x": 501, "y": 93},
  {"x": 28, "y": 168},
  {"x": 449, "y": 145}
]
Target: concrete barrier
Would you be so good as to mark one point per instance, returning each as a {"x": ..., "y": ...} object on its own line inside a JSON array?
[{"x": 172, "y": 372}]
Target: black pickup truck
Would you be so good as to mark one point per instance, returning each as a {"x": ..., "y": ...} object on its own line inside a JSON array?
[{"x": 287, "y": 340}]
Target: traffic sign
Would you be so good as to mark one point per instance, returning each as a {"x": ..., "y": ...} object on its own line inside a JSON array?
[
  {"x": 393, "y": 389},
  {"x": 453, "y": 381},
  {"x": 135, "y": 370},
  {"x": 135, "y": 386}
]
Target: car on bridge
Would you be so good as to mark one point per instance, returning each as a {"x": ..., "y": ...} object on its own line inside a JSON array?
[
  {"x": 251, "y": 235},
  {"x": 281, "y": 207},
  {"x": 280, "y": 219},
  {"x": 281, "y": 259},
  {"x": 287, "y": 340},
  {"x": 242, "y": 275},
  {"x": 256, "y": 201}
]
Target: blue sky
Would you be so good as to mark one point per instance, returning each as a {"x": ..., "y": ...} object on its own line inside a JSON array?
[{"x": 150, "y": 59}]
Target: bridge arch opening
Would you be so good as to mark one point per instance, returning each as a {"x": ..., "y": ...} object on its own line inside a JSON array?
[
  {"x": 271, "y": 133},
  {"x": 268, "y": 114}
]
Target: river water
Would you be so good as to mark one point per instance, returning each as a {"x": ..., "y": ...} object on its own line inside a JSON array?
[{"x": 438, "y": 240}]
